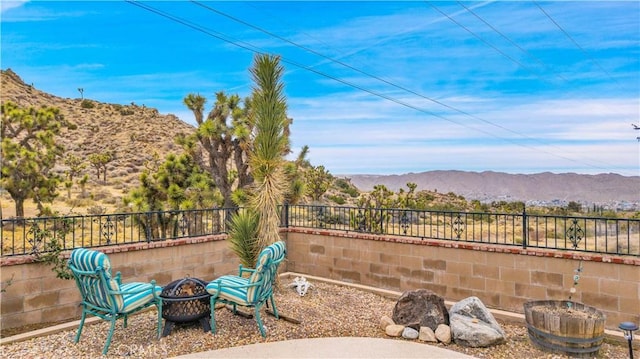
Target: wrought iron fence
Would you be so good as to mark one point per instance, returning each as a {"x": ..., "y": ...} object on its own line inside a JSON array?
[
  {"x": 588, "y": 234},
  {"x": 43, "y": 234}
]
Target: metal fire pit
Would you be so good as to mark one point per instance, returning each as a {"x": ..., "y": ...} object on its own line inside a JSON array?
[{"x": 185, "y": 301}]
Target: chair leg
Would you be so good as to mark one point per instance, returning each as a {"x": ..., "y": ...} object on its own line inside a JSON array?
[
  {"x": 159, "y": 309},
  {"x": 259, "y": 320},
  {"x": 84, "y": 315},
  {"x": 212, "y": 304},
  {"x": 111, "y": 329},
  {"x": 273, "y": 304}
]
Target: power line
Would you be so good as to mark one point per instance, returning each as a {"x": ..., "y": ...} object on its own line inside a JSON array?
[
  {"x": 209, "y": 8},
  {"x": 256, "y": 50},
  {"x": 483, "y": 40},
  {"x": 494, "y": 47},
  {"x": 508, "y": 39},
  {"x": 574, "y": 42}
]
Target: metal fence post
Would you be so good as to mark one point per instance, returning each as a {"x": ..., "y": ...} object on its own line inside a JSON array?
[
  {"x": 148, "y": 231},
  {"x": 285, "y": 218},
  {"x": 525, "y": 230}
]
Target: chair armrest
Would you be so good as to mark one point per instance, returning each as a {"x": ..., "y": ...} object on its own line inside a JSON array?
[
  {"x": 118, "y": 278},
  {"x": 143, "y": 288},
  {"x": 238, "y": 286},
  {"x": 245, "y": 270},
  {"x": 155, "y": 292}
]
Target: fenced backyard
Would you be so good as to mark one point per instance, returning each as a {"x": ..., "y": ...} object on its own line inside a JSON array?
[{"x": 588, "y": 234}]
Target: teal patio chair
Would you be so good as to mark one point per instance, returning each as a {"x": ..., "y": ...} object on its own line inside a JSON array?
[
  {"x": 253, "y": 290},
  {"x": 104, "y": 296}
]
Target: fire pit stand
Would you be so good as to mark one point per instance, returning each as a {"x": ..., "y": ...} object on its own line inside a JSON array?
[{"x": 183, "y": 301}]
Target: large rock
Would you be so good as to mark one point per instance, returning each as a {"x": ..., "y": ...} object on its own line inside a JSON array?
[
  {"x": 472, "y": 325},
  {"x": 420, "y": 308}
]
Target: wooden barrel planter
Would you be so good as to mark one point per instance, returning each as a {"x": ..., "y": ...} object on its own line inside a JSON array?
[{"x": 553, "y": 326}]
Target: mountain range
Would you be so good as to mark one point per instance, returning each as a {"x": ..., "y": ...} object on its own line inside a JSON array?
[
  {"x": 492, "y": 186},
  {"x": 134, "y": 133}
]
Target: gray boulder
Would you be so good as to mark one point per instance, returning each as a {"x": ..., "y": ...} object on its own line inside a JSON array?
[
  {"x": 472, "y": 325},
  {"x": 420, "y": 308}
]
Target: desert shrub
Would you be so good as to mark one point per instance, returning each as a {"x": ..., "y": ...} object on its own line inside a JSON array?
[
  {"x": 96, "y": 210},
  {"x": 80, "y": 202},
  {"x": 111, "y": 200},
  {"x": 87, "y": 104},
  {"x": 346, "y": 187},
  {"x": 101, "y": 195},
  {"x": 337, "y": 199},
  {"x": 125, "y": 111}
]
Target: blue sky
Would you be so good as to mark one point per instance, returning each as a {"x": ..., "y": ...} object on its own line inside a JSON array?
[{"x": 372, "y": 87}]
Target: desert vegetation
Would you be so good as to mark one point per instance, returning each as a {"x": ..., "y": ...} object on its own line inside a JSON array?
[{"x": 112, "y": 158}]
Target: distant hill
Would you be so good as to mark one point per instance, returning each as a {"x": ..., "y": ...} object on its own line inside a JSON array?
[
  {"x": 132, "y": 132},
  {"x": 489, "y": 186}
]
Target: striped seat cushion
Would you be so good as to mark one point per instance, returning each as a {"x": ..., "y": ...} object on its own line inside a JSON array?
[
  {"x": 95, "y": 292},
  {"x": 229, "y": 289},
  {"x": 143, "y": 295},
  {"x": 273, "y": 253}
]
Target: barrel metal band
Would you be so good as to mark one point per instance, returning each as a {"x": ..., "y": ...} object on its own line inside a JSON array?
[{"x": 571, "y": 340}]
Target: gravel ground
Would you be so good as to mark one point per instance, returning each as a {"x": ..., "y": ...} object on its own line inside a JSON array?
[{"x": 326, "y": 311}]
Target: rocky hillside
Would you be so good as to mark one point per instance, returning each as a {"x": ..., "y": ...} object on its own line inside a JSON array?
[
  {"x": 133, "y": 133},
  {"x": 490, "y": 186}
]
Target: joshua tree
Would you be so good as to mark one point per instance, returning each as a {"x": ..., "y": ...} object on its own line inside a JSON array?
[
  {"x": 270, "y": 145},
  {"x": 225, "y": 136},
  {"x": 30, "y": 152}
]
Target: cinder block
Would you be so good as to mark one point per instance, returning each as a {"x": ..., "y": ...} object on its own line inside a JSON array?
[
  {"x": 41, "y": 300},
  {"x": 434, "y": 264}
]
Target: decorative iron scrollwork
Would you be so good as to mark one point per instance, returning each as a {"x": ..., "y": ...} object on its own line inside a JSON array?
[
  {"x": 404, "y": 222},
  {"x": 361, "y": 221},
  {"x": 575, "y": 233},
  {"x": 183, "y": 224},
  {"x": 458, "y": 225},
  {"x": 320, "y": 217},
  {"x": 106, "y": 229},
  {"x": 35, "y": 237}
]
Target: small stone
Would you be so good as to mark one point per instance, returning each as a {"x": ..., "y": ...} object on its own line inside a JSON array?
[
  {"x": 409, "y": 333},
  {"x": 394, "y": 330},
  {"x": 443, "y": 333},
  {"x": 427, "y": 335},
  {"x": 385, "y": 321}
]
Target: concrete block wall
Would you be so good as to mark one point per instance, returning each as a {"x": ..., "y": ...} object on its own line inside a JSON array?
[
  {"x": 502, "y": 277},
  {"x": 35, "y": 295}
]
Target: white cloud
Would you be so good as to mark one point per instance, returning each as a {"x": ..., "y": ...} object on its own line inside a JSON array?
[{"x": 8, "y": 5}]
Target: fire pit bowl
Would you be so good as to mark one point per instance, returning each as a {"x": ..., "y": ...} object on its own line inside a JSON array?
[{"x": 183, "y": 301}]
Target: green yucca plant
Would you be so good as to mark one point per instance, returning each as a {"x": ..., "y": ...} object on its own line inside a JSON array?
[
  {"x": 243, "y": 236},
  {"x": 270, "y": 145},
  {"x": 258, "y": 225}
]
